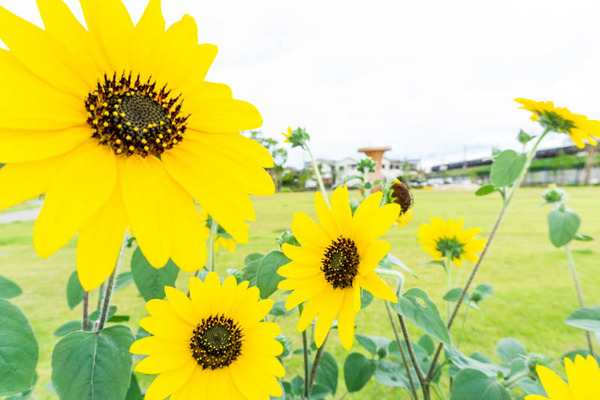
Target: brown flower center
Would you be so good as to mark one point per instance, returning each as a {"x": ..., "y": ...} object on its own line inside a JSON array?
[
  {"x": 216, "y": 342},
  {"x": 340, "y": 263},
  {"x": 132, "y": 117},
  {"x": 402, "y": 195}
]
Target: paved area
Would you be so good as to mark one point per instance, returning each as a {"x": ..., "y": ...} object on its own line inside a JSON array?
[{"x": 21, "y": 215}]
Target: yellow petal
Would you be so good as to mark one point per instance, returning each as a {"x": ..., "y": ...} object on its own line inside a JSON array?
[
  {"x": 377, "y": 287},
  {"x": 42, "y": 54},
  {"x": 182, "y": 305},
  {"x": 168, "y": 382},
  {"x": 346, "y": 319},
  {"x": 312, "y": 308},
  {"x": 327, "y": 315},
  {"x": 27, "y": 180},
  {"x": 100, "y": 241},
  {"x": 110, "y": 24},
  {"x": 223, "y": 116},
  {"x": 154, "y": 344},
  {"x": 189, "y": 233},
  {"x": 226, "y": 204},
  {"x": 75, "y": 194},
  {"x": 555, "y": 387},
  {"x": 302, "y": 255},
  {"x": 158, "y": 363},
  {"x": 374, "y": 253},
  {"x": 340, "y": 209},
  {"x": 308, "y": 232},
  {"x": 325, "y": 217},
  {"x": 149, "y": 31},
  {"x": 24, "y": 146},
  {"x": 143, "y": 183}
]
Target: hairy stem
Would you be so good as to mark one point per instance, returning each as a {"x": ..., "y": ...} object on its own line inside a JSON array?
[
  {"x": 579, "y": 293},
  {"x": 507, "y": 202},
  {"x": 413, "y": 359},
  {"x": 85, "y": 318},
  {"x": 413, "y": 389},
  {"x": 109, "y": 286},
  {"x": 305, "y": 353},
  {"x": 210, "y": 246},
  {"x": 313, "y": 371}
]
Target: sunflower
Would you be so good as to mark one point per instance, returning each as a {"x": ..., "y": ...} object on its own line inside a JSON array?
[
  {"x": 559, "y": 119},
  {"x": 335, "y": 259},
  {"x": 118, "y": 127},
  {"x": 400, "y": 194},
  {"x": 583, "y": 377},
  {"x": 211, "y": 343},
  {"x": 287, "y": 135},
  {"x": 447, "y": 239}
]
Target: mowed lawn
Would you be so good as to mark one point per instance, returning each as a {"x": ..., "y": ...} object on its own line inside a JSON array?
[{"x": 532, "y": 283}]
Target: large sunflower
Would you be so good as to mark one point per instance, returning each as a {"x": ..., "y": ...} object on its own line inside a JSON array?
[
  {"x": 337, "y": 258},
  {"x": 583, "y": 381},
  {"x": 211, "y": 345},
  {"x": 118, "y": 127},
  {"x": 447, "y": 239},
  {"x": 560, "y": 119}
]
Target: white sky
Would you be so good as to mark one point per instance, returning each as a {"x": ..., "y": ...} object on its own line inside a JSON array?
[{"x": 423, "y": 77}]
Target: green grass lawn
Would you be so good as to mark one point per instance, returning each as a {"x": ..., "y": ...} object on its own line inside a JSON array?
[{"x": 532, "y": 283}]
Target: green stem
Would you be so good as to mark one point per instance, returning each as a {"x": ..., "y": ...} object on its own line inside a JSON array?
[
  {"x": 449, "y": 284},
  {"x": 509, "y": 198},
  {"x": 109, "y": 286},
  {"x": 210, "y": 246},
  {"x": 462, "y": 329},
  {"x": 413, "y": 389},
  {"x": 317, "y": 174},
  {"x": 305, "y": 352},
  {"x": 579, "y": 293},
  {"x": 516, "y": 378}
]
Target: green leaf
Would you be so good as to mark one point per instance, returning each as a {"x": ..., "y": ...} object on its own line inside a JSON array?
[
  {"x": 279, "y": 310},
  {"x": 297, "y": 385},
  {"x": 531, "y": 386},
  {"x": 251, "y": 263},
  {"x": 267, "y": 277},
  {"x": 18, "y": 350},
  {"x": 393, "y": 375},
  {"x": 462, "y": 362},
  {"x": 427, "y": 343},
  {"x": 506, "y": 168},
  {"x": 93, "y": 365},
  {"x": 134, "y": 392},
  {"x": 583, "y": 237},
  {"x": 150, "y": 281},
  {"x": 392, "y": 259},
  {"x": 365, "y": 298},
  {"x": 376, "y": 345},
  {"x": 416, "y": 306},
  {"x": 123, "y": 279},
  {"x": 327, "y": 372},
  {"x": 563, "y": 225},
  {"x": 74, "y": 291},
  {"x": 587, "y": 318},
  {"x": 358, "y": 370},
  {"x": 485, "y": 290},
  {"x": 287, "y": 237},
  {"x": 509, "y": 349},
  {"x": 454, "y": 294},
  {"x": 8, "y": 289},
  {"x": 524, "y": 137},
  {"x": 67, "y": 328},
  {"x": 485, "y": 190},
  {"x": 319, "y": 392},
  {"x": 470, "y": 384}
]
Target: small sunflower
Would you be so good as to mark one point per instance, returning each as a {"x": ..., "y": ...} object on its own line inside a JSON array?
[
  {"x": 228, "y": 244},
  {"x": 559, "y": 119},
  {"x": 400, "y": 194},
  {"x": 447, "y": 239},
  {"x": 336, "y": 258},
  {"x": 583, "y": 381},
  {"x": 211, "y": 343},
  {"x": 118, "y": 127},
  {"x": 287, "y": 135}
]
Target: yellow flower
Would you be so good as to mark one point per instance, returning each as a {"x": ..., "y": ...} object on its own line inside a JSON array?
[
  {"x": 401, "y": 195},
  {"x": 214, "y": 343},
  {"x": 336, "y": 258},
  {"x": 447, "y": 238},
  {"x": 119, "y": 128},
  {"x": 561, "y": 120},
  {"x": 287, "y": 135},
  {"x": 583, "y": 376},
  {"x": 552, "y": 186},
  {"x": 225, "y": 243}
]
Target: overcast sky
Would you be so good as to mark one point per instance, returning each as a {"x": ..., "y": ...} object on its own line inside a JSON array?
[{"x": 426, "y": 78}]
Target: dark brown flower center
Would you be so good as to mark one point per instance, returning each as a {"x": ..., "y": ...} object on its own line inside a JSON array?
[
  {"x": 216, "y": 342},
  {"x": 402, "y": 195},
  {"x": 132, "y": 117},
  {"x": 340, "y": 263}
]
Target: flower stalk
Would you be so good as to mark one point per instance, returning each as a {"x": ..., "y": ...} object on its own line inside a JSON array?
[
  {"x": 317, "y": 174},
  {"x": 109, "y": 288},
  {"x": 210, "y": 246},
  {"x": 501, "y": 215},
  {"x": 305, "y": 354},
  {"x": 85, "y": 318}
]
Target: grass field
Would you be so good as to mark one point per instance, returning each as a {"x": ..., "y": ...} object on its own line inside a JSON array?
[{"x": 532, "y": 283}]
